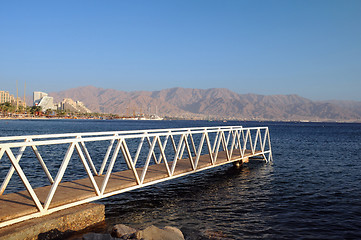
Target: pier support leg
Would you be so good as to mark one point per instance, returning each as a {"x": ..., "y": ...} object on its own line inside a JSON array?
[{"x": 240, "y": 162}]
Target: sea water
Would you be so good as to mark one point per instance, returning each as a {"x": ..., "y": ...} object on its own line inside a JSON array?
[{"x": 311, "y": 190}]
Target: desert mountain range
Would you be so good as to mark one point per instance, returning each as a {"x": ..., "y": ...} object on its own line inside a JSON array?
[{"x": 214, "y": 103}]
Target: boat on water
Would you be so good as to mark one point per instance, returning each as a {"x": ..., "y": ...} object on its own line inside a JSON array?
[{"x": 152, "y": 117}]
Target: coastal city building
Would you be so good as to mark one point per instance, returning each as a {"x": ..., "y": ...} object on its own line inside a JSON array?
[
  {"x": 42, "y": 100},
  {"x": 37, "y": 96},
  {"x": 46, "y": 102},
  {"x": 5, "y": 96},
  {"x": 73, "y": 106}
]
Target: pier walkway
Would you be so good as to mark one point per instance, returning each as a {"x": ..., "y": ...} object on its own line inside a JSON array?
[{"x": 97, "y": 165}]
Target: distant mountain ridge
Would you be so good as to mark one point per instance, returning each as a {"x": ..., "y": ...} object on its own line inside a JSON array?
[{"x": 214, "y": 103}]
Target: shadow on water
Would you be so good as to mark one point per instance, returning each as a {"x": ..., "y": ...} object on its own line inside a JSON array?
[{"x": 210, "y": 203}]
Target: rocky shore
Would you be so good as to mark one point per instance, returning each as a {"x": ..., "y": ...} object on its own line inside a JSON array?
[
  {"x": 121, "y": 231},
  {"x": 152, "y": 232}
]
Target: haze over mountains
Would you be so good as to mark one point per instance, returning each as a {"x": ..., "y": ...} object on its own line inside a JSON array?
[{"x": 215, "y": 103}]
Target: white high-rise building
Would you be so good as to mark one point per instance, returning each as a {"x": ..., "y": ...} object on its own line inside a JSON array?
[
  {"x": 44, "y": 101},
  {"x": 37, "y": 96}
]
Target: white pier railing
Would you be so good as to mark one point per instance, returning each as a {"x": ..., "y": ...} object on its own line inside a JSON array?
[{"x": 101, "y": 154}]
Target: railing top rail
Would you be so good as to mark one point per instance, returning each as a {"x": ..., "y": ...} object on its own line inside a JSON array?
[
  {"x": 255, "y": 128},
  {"x": 126, "y": 134},
  {"x": 104, "y": 138}
]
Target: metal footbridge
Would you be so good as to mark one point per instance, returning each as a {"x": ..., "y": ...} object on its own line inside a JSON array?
[{"x": 58, "y": 171}]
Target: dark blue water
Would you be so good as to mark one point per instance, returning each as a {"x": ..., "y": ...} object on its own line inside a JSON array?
[{"x": 312, "y": 189}]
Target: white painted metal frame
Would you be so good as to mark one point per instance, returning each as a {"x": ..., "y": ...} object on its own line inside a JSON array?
[{"x": 235, "y": 141}]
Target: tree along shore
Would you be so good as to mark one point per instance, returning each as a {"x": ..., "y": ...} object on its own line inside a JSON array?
[{"x": 10, "y": 111}]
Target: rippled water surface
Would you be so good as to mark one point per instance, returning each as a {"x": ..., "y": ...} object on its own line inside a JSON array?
[{"x": 312, "y": 189}]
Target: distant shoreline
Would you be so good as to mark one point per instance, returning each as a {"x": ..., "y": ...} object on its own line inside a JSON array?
[
  {"x": 131, "y": 119},
  {"x": 44, "y": 118}
]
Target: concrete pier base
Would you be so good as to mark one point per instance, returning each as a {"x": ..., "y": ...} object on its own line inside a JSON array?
[{"x": 72, "y": 219}]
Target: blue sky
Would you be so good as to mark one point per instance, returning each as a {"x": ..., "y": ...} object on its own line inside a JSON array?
[{"x": 310, "y": 48}]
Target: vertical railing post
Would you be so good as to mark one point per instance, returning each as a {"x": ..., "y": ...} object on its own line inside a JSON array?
[
  {"x": 270, "y": 157},
  {"x": 164, "y": 145},
  {"x": 215, "y": 140},
  {"x": 128, "y": 159},
  {"x": 150, "y": 154},
  {"x": 88, "y": 157},
  {"x": 189, "y": 152},
  {"x": 164, "y": 156},
  {"x": 140, "y": 145},
  {"x": 215, "y": 151},
  {"x": 87, "y": 169},
  {"x": 42, "y": 163},
  {"x": 12, "y": 168},
  {"x": 15, "y": 164},
  {"x": 255, "y": 141},
  {"x": 177, "y": 154},
  {"x": 60, "y": 175},
  {"x": 193, "y": 144},
  {"x": 209, "y": 148},
  {"x": 149, "y": 143},
  {"x": 183, "y": 146},
  {"x": 110, "y": 166},
  {"x": 199, "y": 152},
  {"x": 233, "y": 143},
  {"x": 225, "y": 147},
  {"x": 107, "y": 154}
]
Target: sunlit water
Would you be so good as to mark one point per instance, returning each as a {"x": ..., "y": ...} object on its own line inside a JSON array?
[{"x": 312, "y": 189}]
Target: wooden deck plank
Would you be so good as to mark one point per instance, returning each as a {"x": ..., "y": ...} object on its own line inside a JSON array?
[{"x": 19, "y": 204}]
